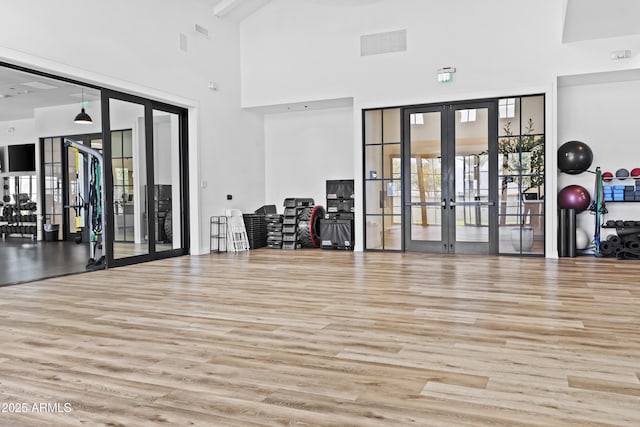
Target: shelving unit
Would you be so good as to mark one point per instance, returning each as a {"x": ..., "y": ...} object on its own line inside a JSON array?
[
  {"x": 18, "y": 216},
  {"x": 218, "y": 234}
]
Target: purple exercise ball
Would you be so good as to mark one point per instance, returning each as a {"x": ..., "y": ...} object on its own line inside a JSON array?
[{"x": 574, "y": 197}]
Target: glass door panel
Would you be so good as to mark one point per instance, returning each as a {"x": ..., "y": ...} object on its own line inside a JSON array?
[
  {"x": 76, "y": 196},
  {"x": 471, "y": 193},
  {"x": 128, "y": 171},
  {"x": 166, "y": 179},
  {"x": 53, "y": 183},
  {"x": 450, "y": 163},
  {"x": 424, "y": 180}
]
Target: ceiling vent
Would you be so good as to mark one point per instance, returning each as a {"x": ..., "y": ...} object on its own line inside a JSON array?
[
  {"x": 201, "y": 30},
  {"x": 376, "y": 44},
  {"x": 183, "y": 42}
]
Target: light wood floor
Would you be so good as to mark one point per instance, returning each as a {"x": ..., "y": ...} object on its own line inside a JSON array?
[{"x": 327, "y": 338}]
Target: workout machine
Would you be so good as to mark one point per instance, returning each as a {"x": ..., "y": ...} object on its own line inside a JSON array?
[{"x": 95, "y": 203}]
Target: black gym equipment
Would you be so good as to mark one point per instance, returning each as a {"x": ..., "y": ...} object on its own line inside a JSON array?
[
  {"x": 168, "y": 226},
  {"x": 574, "y": 157},
  {"x": 96, "y": 202},
  {"x": 303, "y": 228}
]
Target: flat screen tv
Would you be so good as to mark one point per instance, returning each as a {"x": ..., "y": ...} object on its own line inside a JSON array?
[{"x": 22, "y": 158}]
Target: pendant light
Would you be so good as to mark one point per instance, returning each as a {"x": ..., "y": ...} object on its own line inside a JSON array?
[{"x": 83, "y": 117}]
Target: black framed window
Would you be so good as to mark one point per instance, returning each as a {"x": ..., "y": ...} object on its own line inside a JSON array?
[{"x": 382, "y": 179}]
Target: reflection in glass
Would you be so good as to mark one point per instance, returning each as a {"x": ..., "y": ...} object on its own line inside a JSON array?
[
  {"x": 472, "y": 176},
  {"x": 53, "y": 212},
  {"x": 129, "y": 168},
  {"x": 382, "y": 173},
  {"x": 392, "y": 232},
  {"x": 426, "y": 177},
  {"x": 521, "y": 175},
  {"x": 166, "y": 191},
  {"x": 373, "y": 127},
  {"x": 391, "y": 167},
  {"x": 373, "y": 161},
  {"x": 391, "y": 125},
  {"x": 374, "y": 232}
]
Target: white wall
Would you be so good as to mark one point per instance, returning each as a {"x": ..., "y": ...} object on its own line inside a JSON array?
[
  {"x": 303, "y": 150},
  {"x": 301, "y": 50},
  {"x": 605, "y": 117},
  {"x": 134, "y": 46}
]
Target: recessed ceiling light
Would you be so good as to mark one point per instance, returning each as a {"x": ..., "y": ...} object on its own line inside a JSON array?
[{"x": 39, "y": 85}]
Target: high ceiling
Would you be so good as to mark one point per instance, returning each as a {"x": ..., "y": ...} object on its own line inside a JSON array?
[
  {"x": 598, "y": 19},
  {"x": 21, "y": 92},
  {"x": 235, "y": 9}
]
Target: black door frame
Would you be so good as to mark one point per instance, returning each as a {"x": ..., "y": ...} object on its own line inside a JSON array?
[
  {"x": 448, "y": 242},
  {"x": 149, "y": 106}
]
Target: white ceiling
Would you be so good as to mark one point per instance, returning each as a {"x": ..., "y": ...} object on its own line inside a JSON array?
[
  {"x": 236, "y": 10},
  {"x": 584, "y": 20},
  {"x": 18, "y": 99},
  {"x": 598, "y": 19},
  {"x": 21, "y": 93}
]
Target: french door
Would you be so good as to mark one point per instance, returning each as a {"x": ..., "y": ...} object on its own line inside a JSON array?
[{"x": 450, "y": 178}]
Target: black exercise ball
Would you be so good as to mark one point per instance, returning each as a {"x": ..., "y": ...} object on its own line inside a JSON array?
[{"x": 574, "y": 157}]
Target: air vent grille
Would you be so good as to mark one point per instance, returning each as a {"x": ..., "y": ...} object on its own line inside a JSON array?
[{"x": 379, "y": 43}]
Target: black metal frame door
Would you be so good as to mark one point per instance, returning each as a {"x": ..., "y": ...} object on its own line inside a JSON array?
[
  {"x": 438, "y": 232},
  {"x": 425, "y": 217},
  {"x": 480, "y": 235},
  {"x": 149, "y": 107}
]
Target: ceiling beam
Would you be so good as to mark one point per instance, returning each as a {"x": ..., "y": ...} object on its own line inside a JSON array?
[{"x": 224, "y": 7}]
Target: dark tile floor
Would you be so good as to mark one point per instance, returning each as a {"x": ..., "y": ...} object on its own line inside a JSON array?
[{"x": 24, "y": 260}]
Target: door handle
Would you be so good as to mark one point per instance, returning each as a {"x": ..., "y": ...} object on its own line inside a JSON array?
[
  {"x": 452, "y": 204},
  {"x": 473, "y": 203},
  {"x": 444, "y": 203}
]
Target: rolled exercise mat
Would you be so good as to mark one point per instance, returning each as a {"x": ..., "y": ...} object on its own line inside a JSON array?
[
  {"x": 632, "y": 245},
  {"x": 605, "y": 248},
  {"x": 613, "y": 239},
  {"x": 623, "y": 232},
  {"x": 628, "y": 254}
]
